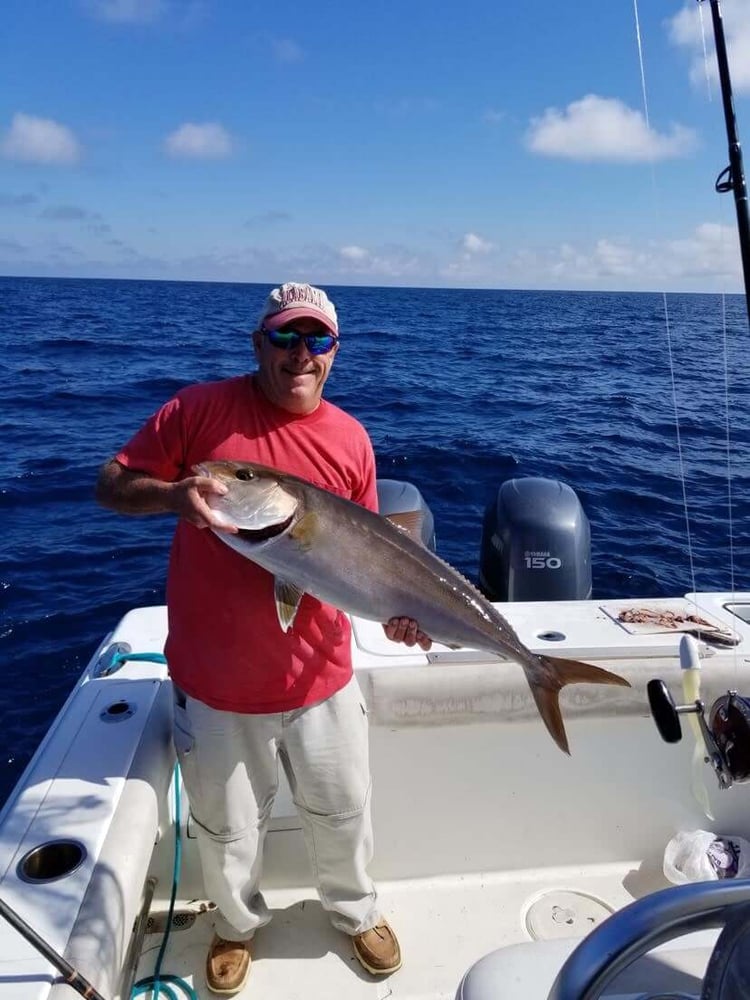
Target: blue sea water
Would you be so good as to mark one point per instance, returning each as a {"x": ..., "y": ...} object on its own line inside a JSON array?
[{"x": 460, "y": 390}]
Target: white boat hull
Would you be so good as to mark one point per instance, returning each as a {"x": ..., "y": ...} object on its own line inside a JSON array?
[{"x": 487, "y": 837}]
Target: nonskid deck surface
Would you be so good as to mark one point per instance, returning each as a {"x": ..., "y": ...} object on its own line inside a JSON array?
[{"x": 444, "y": 925}]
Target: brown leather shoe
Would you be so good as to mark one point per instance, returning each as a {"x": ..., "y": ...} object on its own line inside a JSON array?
[
  {"x": 377, "y": 949},
  {"x": 227, "y": 966}
]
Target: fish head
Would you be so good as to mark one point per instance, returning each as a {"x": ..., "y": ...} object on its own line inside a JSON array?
[{"x": 256, "y": 500}]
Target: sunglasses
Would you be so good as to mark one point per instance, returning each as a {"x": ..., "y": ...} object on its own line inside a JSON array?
[{"x": 287, "y": 339}]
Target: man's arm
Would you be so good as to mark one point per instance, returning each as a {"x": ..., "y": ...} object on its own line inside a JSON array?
[{"x": 129, "y": 491}]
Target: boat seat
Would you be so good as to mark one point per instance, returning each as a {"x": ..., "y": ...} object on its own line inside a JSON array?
[{"x": 527, "y": 971}]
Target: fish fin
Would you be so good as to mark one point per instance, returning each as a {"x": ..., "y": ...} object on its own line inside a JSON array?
[
  {"x": 288, "y": 596},
  {"x": 305, "y": 530},
  {"x": 574, "y": 672},
  {"x": 564, "y": 672},
  {"x": 409, "y": 521},
  {"x": 547, "y": 701}
]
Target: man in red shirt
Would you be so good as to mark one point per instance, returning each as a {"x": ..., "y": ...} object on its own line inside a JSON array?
[{"x": 247, "y": 693}]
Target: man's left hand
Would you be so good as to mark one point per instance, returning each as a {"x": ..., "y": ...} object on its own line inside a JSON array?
[{"x": 406, "y": 630}]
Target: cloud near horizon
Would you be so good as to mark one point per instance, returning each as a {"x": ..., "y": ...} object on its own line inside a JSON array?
[
  {"x": 471, "y": 244},
  {"x": 604, "y": 129},
  {"x": 39, "y": 140}
]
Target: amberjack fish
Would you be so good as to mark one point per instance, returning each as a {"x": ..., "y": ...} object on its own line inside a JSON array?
[{"x": 315, "y": 542}]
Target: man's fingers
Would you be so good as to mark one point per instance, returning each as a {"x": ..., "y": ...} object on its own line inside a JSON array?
[
  {"x": 194, "y": 508},
  {"x": 424, "y": 641},
  {"x": 407, "y": 630}
]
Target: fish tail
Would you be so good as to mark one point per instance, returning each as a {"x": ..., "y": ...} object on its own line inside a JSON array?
[
  {"x": 575, "y": 672},
  {"x": 560, "y": 672},
  {"x": 547, "y": 702}
]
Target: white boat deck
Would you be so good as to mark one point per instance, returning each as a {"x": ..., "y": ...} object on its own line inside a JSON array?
[{"x": 444, "y": 926}]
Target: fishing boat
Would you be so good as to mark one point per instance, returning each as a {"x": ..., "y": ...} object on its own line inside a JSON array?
[{"x": 507, "y": 868}]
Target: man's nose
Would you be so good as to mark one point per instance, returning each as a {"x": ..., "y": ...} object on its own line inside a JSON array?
[{"x": 300, "y": 350}]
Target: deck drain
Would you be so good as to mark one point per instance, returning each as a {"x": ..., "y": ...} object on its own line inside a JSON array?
[
  {"x": 563, "y": 913},
  {"x": 182, "y": 920}
]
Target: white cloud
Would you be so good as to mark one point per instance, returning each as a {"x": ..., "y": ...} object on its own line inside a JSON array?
[
  {"x": 209, "y": 141},
  {"x": 686, "y": 30},
  {"x": 354, "y": 253},
  {"x": 472, "y": 244},
  {"x": 710, "y": 250},
  {"x": 39, "y": 140},
  {"x": 707, "y": 258},
  {"x": 391, "y": 261},
  {"x": 604, "y": 129},
  {"x": 127, "y": 11}
]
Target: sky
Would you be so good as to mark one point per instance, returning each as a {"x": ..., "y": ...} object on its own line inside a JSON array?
[{"x": 538, "y": 145}]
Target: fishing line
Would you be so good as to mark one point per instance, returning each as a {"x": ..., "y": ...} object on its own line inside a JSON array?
[
  {"x": 705, "y": 53},
  {"x": 727, "y": 427},
  {"x": 667, "y": 324}
]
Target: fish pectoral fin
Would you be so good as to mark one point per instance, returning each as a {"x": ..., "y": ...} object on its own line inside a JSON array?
[
  {"x": 306, "y": 530},
  {"x": 409, "y": 521},
  {"x": 287, "y": 596}
]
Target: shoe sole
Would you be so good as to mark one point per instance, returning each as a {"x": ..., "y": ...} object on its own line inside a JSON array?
[
  {"x": 227, "y": 993},
  {"x": 234, "y": 989},
  {"x": 374, "y": 971}
]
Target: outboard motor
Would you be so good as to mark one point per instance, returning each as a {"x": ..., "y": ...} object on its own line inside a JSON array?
[
  {"x": 536, "y": 544},
  {"x": 404, "y": 500}
]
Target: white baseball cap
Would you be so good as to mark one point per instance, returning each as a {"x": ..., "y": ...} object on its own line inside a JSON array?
[{"x": 292, "y": 301}]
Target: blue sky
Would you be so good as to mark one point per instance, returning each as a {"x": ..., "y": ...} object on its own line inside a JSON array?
[{"x": 472, "y": 144}]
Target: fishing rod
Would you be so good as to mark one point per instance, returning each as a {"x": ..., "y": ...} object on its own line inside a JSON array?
[
  {"x": 73, "y": 978},
  {"x": 733, "y": 177}
]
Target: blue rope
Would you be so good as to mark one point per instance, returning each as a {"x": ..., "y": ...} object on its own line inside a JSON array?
[{"x": 158, "y": 984}]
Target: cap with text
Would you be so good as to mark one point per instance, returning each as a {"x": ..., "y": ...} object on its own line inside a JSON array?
[{"x": 294, "y": 301}]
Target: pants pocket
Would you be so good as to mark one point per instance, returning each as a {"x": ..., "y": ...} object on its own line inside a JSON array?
[{"x": 182, "y": 733}]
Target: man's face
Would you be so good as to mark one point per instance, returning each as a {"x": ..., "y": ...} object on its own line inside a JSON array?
[{"x": 293, "y": 379}]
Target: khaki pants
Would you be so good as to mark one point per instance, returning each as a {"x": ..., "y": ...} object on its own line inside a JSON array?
[{"x": 229, "y": 763}]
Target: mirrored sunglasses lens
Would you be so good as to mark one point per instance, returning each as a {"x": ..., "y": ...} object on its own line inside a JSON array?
[
  {"x": 320, "y": 343},
  {"x": 283, "y": 338}
]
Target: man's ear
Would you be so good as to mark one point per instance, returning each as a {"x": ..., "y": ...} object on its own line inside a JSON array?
[{"x": 256, "y": 338}]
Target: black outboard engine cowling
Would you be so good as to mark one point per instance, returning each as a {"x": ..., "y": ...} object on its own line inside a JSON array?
[
  {"x": 536, "y": 544},
  {"x": 398, "y": 497}
]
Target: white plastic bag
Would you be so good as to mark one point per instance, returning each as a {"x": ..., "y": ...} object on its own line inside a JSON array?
[{"x": 700, "y": 856}]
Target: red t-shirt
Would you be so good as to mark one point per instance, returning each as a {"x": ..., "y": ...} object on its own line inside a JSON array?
[{"x": 225, "y": 645}]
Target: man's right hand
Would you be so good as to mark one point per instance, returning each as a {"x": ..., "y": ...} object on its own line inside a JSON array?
[{"x": 188, "y": 501}]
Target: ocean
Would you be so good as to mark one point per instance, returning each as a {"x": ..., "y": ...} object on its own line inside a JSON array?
[{"x": 460, "y": 391}]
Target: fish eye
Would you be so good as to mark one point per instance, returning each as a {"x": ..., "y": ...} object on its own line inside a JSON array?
[{"x": 244, "y": 475}]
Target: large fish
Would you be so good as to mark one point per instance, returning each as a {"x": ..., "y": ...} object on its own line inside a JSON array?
[{"x": 315, "y": 542}]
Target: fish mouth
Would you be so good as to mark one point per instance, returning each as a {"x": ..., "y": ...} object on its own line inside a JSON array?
[{"x": 263, "y": 534}]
